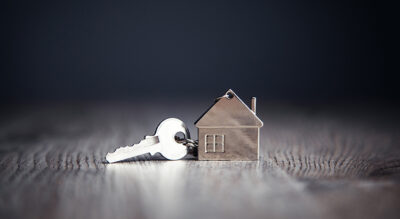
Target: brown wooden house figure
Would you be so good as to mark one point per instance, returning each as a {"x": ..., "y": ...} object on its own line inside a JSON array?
[{"x": 229, "y": 130}]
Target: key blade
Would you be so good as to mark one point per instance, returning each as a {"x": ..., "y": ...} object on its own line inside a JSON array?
[{"x": 147, "y": 145}]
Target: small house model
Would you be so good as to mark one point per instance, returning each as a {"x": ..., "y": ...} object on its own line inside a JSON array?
[{"x": 229, "y": 130}]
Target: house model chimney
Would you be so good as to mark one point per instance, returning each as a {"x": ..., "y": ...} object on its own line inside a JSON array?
[{"x": 253, "y": 104}]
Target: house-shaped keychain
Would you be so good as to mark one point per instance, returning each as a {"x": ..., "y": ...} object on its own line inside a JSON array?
[{"x": 229, "y": 130}]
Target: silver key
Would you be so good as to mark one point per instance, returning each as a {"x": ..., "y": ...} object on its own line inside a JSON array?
[{"x": 163, "y": 142}]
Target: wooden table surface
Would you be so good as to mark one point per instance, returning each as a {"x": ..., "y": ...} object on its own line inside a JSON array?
[{"x": 317, "y": 161}]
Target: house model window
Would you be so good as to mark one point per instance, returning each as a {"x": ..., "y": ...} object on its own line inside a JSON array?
[{"x": 214, "y": 143}]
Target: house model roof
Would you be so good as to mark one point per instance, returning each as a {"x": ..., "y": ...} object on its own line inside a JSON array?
[{"x": 229, "y": 111}]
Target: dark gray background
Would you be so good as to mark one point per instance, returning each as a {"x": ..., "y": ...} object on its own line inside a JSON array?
[{"x": 284, "y": 50}]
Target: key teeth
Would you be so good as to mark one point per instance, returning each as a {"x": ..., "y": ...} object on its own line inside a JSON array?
[
  {"x": 152, "y": 139},
  {"x": 110, "y": 160},
  {"x": 121, "y": 148},
  {"x": 118, "y": 149}
]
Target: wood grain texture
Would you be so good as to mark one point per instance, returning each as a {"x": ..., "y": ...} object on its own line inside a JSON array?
[{"x": 316, "y": 162}]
